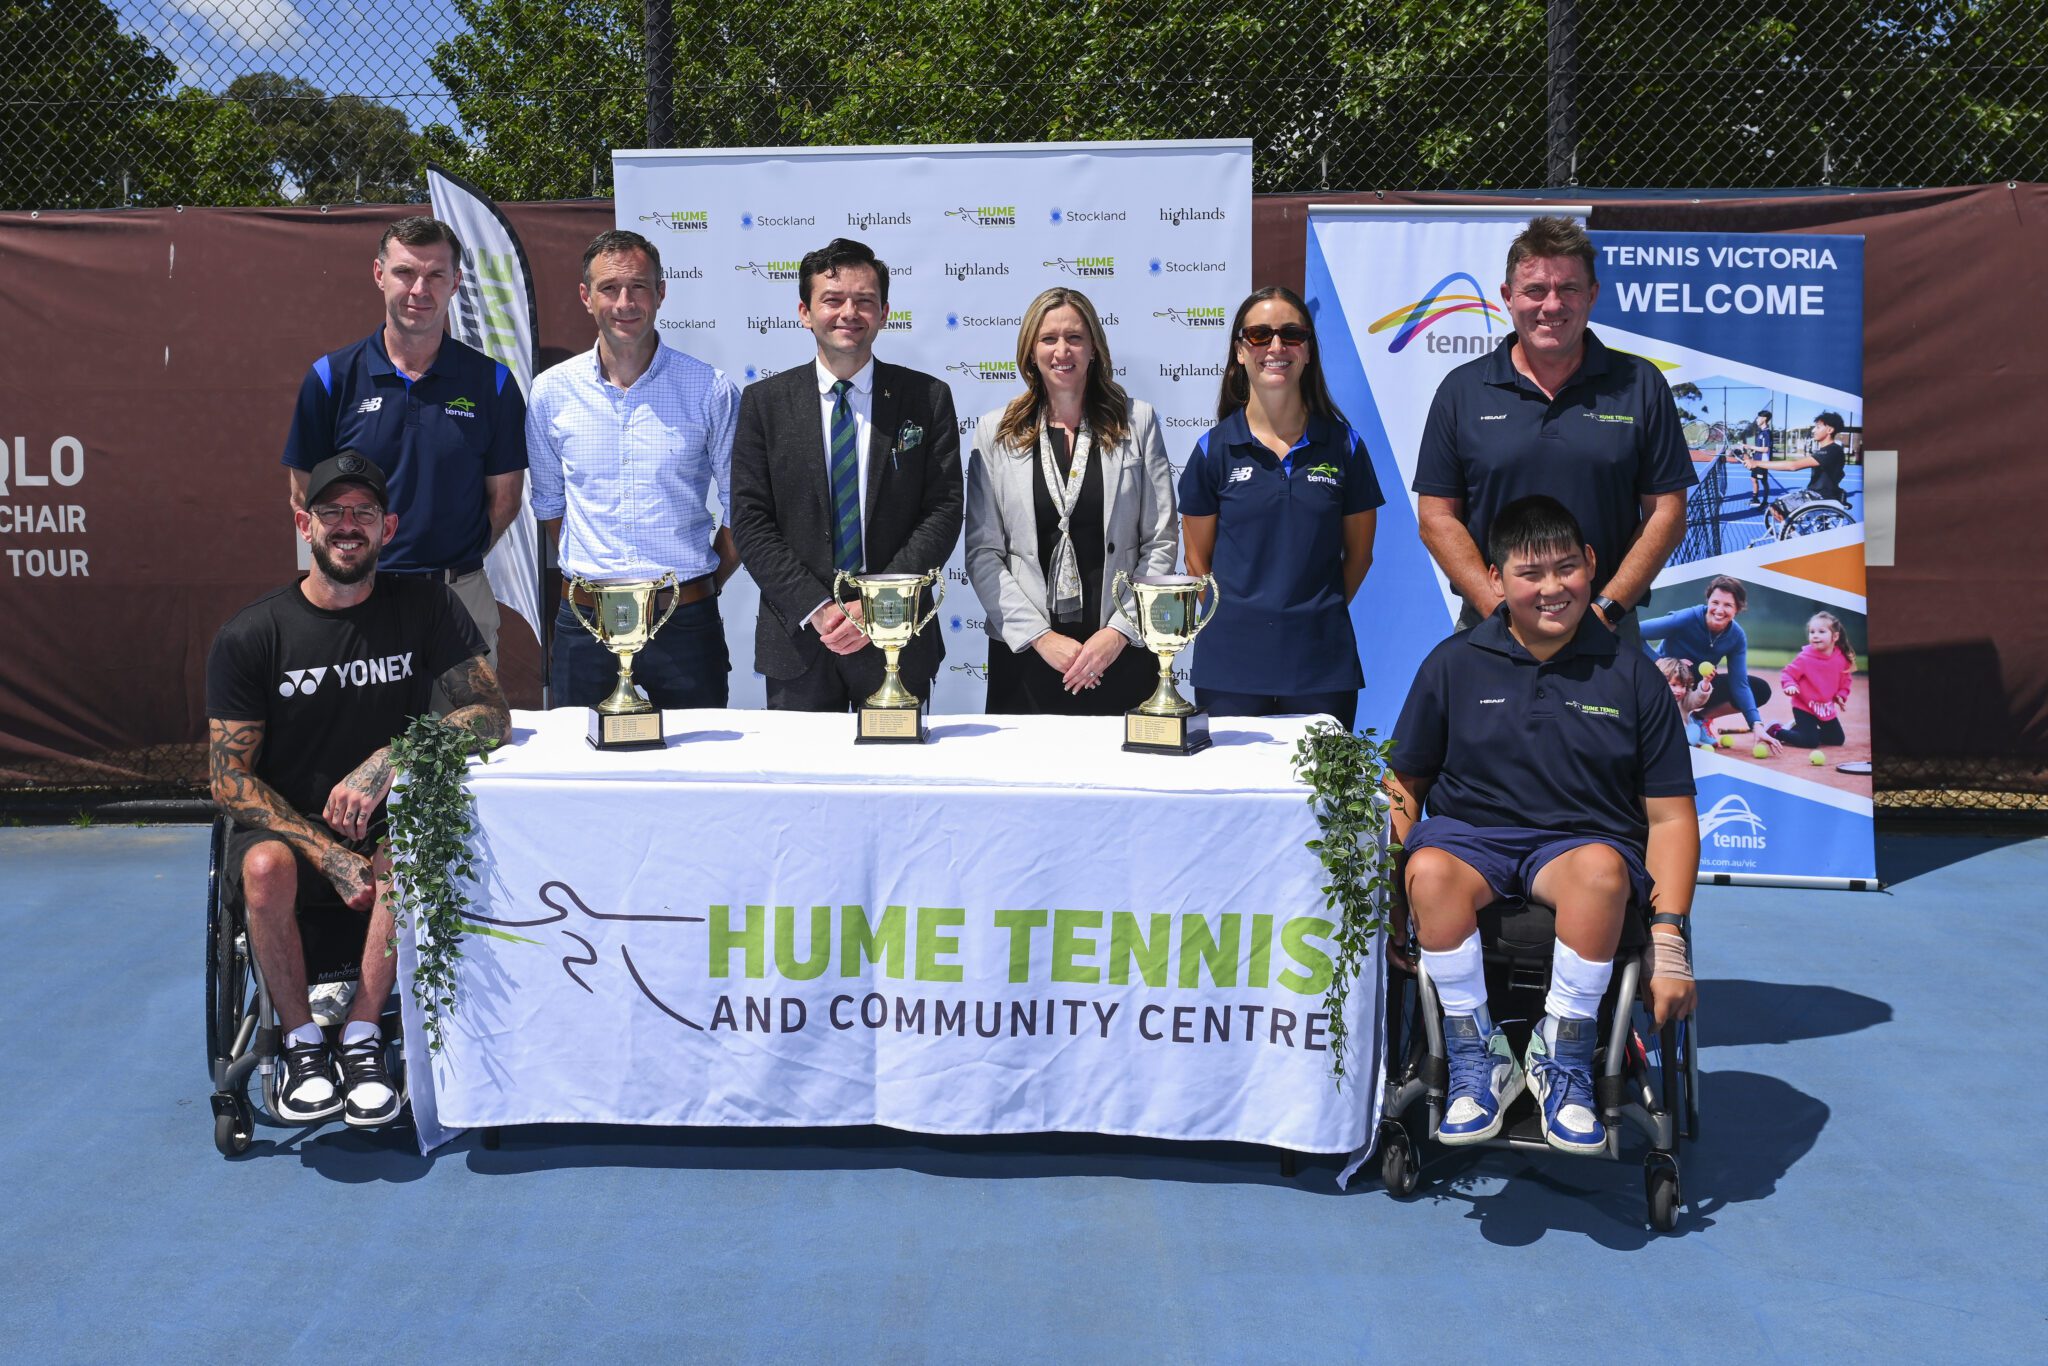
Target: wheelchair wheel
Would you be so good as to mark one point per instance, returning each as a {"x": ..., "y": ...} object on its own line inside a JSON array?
[
  {"x": 1399, "y": 1167},
  {"x": 1817, "y": 518},
  {"x": 1661, "y": 1191},
  {"x": 234, "y": 1124},
  {"x": 227, "y": 967}
]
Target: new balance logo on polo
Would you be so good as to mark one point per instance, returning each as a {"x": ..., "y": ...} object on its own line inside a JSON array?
[
  {"x": 1240, "y": 474},
  {"x": 370, "y": 405},
  {"x": 353, "y": 673}
]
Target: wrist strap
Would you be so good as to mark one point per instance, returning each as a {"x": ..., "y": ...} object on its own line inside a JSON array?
[{"x": 1668, "y": 918}]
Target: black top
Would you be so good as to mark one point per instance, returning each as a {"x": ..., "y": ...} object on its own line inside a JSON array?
[
  {"x": 333, "y": 687},
  {"x": 1573, "y": 743},
  {"x": 1826, "y": 478},
  {"x": 1085, "y": 524},
  {"x": 1609, "y": 438}
]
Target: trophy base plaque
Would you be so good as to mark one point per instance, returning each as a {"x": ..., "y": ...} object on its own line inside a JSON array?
[
  {"x": 625, "y": 730},
  {"x": 890, "y": 726},
  {"x": 1146, "y": 734}
]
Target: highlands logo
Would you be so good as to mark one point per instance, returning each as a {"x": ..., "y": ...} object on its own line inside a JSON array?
[
  {"x": 679, "y": 220},
  {"x": 1411, "y": 320},
  {"x": 987, "y": 215},
  {"x": 1179, "y": 370},
  {"x": 866, "y": 221},
  {"x": 989, "y": 371},
  {"x": 772, "y": 270},
  {"x": 1731, "y": 810},
  {"x": 1184, "y": 215},
  {"x": 1092, "y": 266},
  {"x": 682, "y": 272},
  {"x": 772, "y": 324},
  {"x": 1193, "y": 317},
  {"x": 970, "y": 270}
]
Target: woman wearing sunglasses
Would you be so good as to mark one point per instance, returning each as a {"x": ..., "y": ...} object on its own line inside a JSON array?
[
  {"x": 1278, "y": 503},
  {"x": 1066, "y": 485}
]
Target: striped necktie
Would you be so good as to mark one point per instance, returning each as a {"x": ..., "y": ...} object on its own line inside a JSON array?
[{"x": 846, "y": 551}]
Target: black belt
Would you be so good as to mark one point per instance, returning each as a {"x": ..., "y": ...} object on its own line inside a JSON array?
[
  {"x": 436, "y": 575},
  {"x": 687, "y": 592}
]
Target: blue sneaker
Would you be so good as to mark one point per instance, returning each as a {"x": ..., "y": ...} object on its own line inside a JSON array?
[
  {"x": 1561, "y": 1078},
  {"x": 1485, "y": 1078}
]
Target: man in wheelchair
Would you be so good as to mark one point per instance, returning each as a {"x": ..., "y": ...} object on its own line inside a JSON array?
[
  {"x": 305, "y": 689},
  {"x": 1555, "y": 770}
]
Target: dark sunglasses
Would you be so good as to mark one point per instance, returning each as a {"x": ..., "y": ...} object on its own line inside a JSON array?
[{"x": 1290, "y": 334}]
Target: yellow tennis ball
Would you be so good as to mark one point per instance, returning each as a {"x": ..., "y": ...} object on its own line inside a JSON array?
[
  {"x": 1706, "y": 671},
  {"x": 1727, "y": 742},
  {"x": 1819, "y": 758},
  {"x": 1762, "y": 750}
]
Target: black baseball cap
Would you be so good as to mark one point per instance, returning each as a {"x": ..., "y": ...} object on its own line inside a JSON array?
[{"x": 347, "y": 467}]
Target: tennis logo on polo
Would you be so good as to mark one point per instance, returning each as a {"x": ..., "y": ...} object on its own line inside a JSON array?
[
  {"x": 460, "y": 407},
  {"x": 1588, "y": 709},
  {"x": 1324, "y": 474},
  {"x": 1612, "y": 417},
  {"x": 370, "y": 405},
  {"x": 352, "y": 673}
]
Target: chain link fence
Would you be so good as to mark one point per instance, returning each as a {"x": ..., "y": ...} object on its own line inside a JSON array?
[{"x": 149, "y": 102}]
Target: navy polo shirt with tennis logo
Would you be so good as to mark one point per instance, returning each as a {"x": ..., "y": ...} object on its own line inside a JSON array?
[
  {"x": 436, "y": 438},
  {"x": 1610, "y": 438},
  {"x": 1573, "y": 743},
  {"x": 1282, "y": 626}
]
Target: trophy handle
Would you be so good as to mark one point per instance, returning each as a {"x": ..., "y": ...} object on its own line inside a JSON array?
[
  {"x": 1202, "y": 618},
  {"x": 938, "y": 582},
  {"x": 675, "y": 600},
  {"x": 839, "y": 581},
  {"x": 589, "y": 623},
  {"x": 1117, "y": 586}
]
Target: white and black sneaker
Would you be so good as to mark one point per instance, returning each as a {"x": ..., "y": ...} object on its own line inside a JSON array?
[
  {"x": 372, "y": 1100},
  {"x": 312, "y": 1084}
]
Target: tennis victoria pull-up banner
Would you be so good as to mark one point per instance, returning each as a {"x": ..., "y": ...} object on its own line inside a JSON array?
[
  {"x": 1761, "y": 611},
  {"x": 1158, "y": 235}
]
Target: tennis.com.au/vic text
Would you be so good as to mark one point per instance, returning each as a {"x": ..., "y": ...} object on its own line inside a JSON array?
[{"x": 31, "y": 483}]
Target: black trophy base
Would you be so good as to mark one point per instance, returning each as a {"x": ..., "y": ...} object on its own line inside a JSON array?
[
  {"x": 1145, "y": 734},
  {"x": 890, "y": 726},
  {"x": 625, "y": 730}
]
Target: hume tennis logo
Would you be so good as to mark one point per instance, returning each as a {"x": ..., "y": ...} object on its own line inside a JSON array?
[
  {"x": 1193, "y": 317},
  {"x": 1092, "y": 266},
  {"x": 986, "y": 215},
  {"x": 679, "y": 220},
  {"x": 771, "y": 270},
  {"x": 1411, "y": 320},
  {"x": 1730, "y": 824},
  {"x": 989, "y": 371}
]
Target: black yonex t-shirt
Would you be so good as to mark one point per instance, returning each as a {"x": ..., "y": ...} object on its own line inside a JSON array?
[
  {"x": 332, "y": 687},
  {"x": 1826, "y": 479}
]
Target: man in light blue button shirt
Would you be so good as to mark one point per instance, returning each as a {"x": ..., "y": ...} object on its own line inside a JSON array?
[{"x": 626, "y": 445}]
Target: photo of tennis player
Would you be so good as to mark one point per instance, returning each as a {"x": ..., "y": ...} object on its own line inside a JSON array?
[
  {"x": 1773, "y": 467},
  {"x": 1766, "y": 678}
]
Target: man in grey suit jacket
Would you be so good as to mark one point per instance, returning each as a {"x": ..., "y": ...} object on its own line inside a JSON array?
[{"x": 883, "y": 497}]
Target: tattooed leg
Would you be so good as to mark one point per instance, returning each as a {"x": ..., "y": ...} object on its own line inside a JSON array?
[
  {"x": 380, "y": 961},
  {"x": 270, "y": 894}
]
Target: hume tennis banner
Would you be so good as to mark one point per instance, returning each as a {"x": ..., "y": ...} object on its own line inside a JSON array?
[{"x": 1761, "y": 612}]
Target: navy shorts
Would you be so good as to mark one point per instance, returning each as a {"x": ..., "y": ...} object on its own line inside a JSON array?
[{"x": 1510, "y": 856}]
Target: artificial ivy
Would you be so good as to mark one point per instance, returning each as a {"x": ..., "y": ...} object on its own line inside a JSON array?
[
  {"x": 430, "y": 853},
  {"x": 1343, "y": 771}
]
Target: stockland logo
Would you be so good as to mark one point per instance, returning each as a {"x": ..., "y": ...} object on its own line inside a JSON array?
[
  {"x": 771, "y": 270},
  {"x": 956, "y": 321},
  {"x": 1156, "y": 266},
  {"x": 990, "y": 371},
  {"x": 1411, "y": 320},
  {"x": 1193, "y": 317},
  {"x": 679, "y": 220},
  {"x": 1092, "y": 266},
  {"x": 1730, "y": 824},
  {"x": 1060, "y": 216},
  {"x": 754, "y": 372},
  {"x": 778, "y": 220},
  {"x": 987, "y": 215},
  {"x": 899, "y": 321}
]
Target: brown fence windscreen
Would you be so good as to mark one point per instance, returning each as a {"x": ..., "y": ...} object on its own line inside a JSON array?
[{"x": 149, "y": 359}]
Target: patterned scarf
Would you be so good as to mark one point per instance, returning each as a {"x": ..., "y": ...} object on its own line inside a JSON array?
[{"x": 1066, "y": 492}]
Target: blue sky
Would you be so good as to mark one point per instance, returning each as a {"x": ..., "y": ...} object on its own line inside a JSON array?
[{"x": 342, "y": 46}]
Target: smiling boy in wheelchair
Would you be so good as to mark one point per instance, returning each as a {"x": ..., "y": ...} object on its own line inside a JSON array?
[{"x": 1555, "y": 771}]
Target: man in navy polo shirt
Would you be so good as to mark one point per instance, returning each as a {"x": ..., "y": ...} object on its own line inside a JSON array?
[
  {"x": 446, "y": 423},
  {"x": 1552, "y": 410},
  {"x": 1555, "y": 769}
]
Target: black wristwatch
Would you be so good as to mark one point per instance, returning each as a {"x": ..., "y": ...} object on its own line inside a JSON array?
[
  {"x": 1668, "y": 918},
  {"x": 1610, "y": 611}
]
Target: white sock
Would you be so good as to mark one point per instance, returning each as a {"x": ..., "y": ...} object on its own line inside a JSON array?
[
  {"x": 358, "y": 1030},
  {"x": 1576, "y": 986},
  {"x": 305, "y": 1033},
  {"x": 1459, "y": 976}
]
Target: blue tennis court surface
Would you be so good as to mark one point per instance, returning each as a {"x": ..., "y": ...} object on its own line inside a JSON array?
[{"x": 1866, "y": 1185}]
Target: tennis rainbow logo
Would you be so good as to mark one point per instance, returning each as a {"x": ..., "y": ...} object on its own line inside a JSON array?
[{"x": 1413, "y": 319}]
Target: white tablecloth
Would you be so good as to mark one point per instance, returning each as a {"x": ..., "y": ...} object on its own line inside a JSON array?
[{"x": 1016, "y": 927}]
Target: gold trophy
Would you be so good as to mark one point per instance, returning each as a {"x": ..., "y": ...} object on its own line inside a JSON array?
[
  {"x": 624, "y": 624},
  {"x": 1169, "y": 617},
  {"x": 892, "y": 715}
]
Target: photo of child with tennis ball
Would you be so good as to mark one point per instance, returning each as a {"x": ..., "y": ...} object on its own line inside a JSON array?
[{"x": 1817, "y": 682}]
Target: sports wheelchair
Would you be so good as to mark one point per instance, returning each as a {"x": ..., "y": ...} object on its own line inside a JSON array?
[
  {"x": 1653, "y": 1087},
  {"x": 242, "y": 1033}
]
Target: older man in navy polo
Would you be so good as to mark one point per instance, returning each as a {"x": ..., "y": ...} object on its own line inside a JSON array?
[
  {"x": 447, "y": 424},
  {"x": 1552, "y": 410}
]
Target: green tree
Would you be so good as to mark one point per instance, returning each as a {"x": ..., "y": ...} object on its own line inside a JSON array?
[
  {"x": 206, "y": 150},
  {"x": 333, "y": 148},
  {"x": 74, "y": 81}
]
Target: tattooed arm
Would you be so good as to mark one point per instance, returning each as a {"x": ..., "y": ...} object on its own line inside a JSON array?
[
  {"x": 232, "y": 747},
  {"x": 477, "y": 704}
]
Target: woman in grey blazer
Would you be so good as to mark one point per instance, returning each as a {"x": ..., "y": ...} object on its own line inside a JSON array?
[{"x": 1066, "y": 485}]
